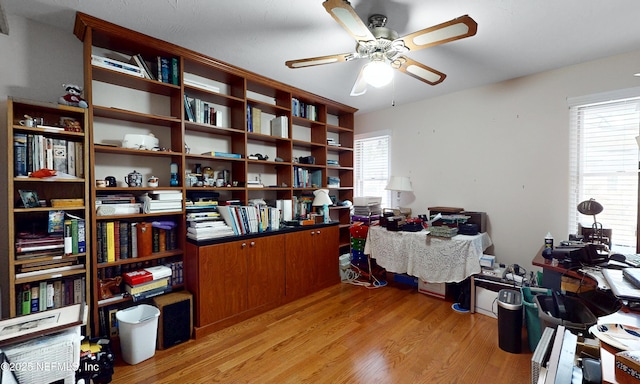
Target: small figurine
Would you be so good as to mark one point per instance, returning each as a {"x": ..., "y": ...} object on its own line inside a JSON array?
[{"x": 73, "y": 96}]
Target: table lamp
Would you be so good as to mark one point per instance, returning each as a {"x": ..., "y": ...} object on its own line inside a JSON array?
[
  {"x": 323, "y": 200},
  {"x": 399, "y": 184}
]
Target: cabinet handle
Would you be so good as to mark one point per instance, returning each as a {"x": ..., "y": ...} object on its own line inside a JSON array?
[
  {"x": 318, "y": 232},
  {"x": 243, "y": 245},
  {"x": 252, "y": 243}
]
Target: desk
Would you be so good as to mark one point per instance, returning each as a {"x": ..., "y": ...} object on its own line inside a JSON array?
[{"x": 432, "y": 259}]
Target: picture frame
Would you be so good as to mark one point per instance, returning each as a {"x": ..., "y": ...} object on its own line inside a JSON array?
[
  {"x": 41, "y": 323},
  {"x": 29, "y": 198}
]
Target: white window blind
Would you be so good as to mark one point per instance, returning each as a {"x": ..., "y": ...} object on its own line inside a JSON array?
[
  {"x": 371, "y": 161},
  {"x": 604, "y": 166}
]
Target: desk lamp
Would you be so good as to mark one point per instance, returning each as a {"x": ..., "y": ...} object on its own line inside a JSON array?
[
  {"x": 399, "y": 184},
  {"x": 323, "y": 200}
]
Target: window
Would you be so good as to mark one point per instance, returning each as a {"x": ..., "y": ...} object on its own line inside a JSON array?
[
  {"x": 604, "y": 164},
  {"x": 371, "y": 160}
]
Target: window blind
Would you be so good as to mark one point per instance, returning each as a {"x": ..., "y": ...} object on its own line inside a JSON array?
[
  {"x": 604, "y": 166},
  {"x": 371, "y": 163}
]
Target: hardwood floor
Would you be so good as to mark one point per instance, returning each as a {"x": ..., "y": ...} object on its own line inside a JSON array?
[{"x": 344, "y": 334}]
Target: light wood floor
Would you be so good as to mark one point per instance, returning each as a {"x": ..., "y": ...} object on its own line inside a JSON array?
[{"x": 344, "y": 334}]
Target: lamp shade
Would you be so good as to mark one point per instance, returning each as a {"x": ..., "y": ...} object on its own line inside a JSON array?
[
  {"x": 377, "y": 73},
  {"x": 321, "y": 198},
  {"x": 399, "y": 183}
]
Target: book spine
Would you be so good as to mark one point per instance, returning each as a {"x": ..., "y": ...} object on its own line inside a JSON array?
[
  {"x": 74, "y": 236},
  {"x": 124, "y": 240},
  {"x": 20, "y": 154},
  {"x": 71, "y": 158},
  {"x": 155, "y": 239},
  {"x": 174, "y": 71},
  {"x": 43, "y": 296},
  {"x": 68, "y": 237},
  {"x": 26, "y": 299},
  {"x": 165, "y": 67},
  {"x": 134, "y": 241},
  {"x": 35, "y": 298},
  {"x": 111, "y": 249},
  {"x": 82, "y": 236}
]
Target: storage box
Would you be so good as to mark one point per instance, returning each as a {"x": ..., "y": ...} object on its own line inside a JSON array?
[
  {"x": 433, "y": 289},
  {"x": 487, "y": 261}
]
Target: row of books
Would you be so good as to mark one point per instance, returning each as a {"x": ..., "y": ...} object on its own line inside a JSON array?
[
  {"x": 200, "y": 111},
  {"x": 75, "y": 236},
  {"x": 302, "y": 109},
  {"x": 117, "y": 204},
  {"x": 306, "y": 178},
  {"x": 33, "y": 152},
  {"x": 302, "y": 205},
  {"x": 50, "y": 294},
  {"x": 147, "y": 282},
  {"x": 176, "y": 266},
  {"x": 250, "y": 219},
  {"x": 163, "y": 69},
  {"x": 161, "y": 201},
  {"x": 119, "y": 240}
]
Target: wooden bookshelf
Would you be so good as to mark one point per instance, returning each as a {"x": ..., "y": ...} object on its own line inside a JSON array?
[
  {"x": 29, "y": 149},
  {"x": 115, "y": 108}
]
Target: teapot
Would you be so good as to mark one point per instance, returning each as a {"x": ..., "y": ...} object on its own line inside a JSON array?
[{"x": 134, "y": 179}]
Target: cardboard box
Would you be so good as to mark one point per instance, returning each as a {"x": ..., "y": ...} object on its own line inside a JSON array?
[{"x": 433, "y": 289}]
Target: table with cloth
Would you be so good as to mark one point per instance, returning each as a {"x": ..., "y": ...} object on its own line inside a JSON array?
[{"x": 430, "y": 258}]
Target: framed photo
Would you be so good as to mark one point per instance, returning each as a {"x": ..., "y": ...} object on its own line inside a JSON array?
[
  {"x": 29, "y": 198},
  {"x": 41, "y": 323}
]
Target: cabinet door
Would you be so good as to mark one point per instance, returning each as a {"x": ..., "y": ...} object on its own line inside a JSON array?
[
  {"x": 223, "y": 281},
  {"x": 265, "y": 261},
  {"x": 301, "y": 268},
  {"x": 326, "y": 254}
]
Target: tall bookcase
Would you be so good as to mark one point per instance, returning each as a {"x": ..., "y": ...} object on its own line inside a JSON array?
[
  {"x": 43, "y": 275},
  {"x": 245, "y": 103}
]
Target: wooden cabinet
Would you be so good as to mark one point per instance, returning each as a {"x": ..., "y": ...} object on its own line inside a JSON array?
[
  {"x": 211, "y": 116},
  {"x": 312, "y": 261},
  {"x": 43, "y": 211},
  {"x": 235, "y": 280}
]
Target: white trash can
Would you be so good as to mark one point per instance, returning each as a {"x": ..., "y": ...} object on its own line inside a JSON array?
[{"x": 138, "y": 329}]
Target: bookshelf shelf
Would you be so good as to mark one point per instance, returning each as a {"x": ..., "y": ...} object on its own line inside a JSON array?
[
  {"x": 225, "y": 100},
  {"x": 37, "y": 263}
]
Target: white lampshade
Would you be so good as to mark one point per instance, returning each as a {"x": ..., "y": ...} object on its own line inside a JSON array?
[
  {"x": 399, "y": 183},
  {"x": 377, "y": 73},
  {"x": 321, "y": 198}
]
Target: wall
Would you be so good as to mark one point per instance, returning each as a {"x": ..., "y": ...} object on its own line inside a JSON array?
[
  {"x": 36, "y": 60},
  {"x": 501, "y": 149}
]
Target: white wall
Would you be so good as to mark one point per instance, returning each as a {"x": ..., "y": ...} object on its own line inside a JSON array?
[
  {"x": 500, "y": 149},
  {"x": 36, "y": 60}
]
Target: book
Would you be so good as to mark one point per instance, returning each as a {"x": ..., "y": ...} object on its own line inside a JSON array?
[
  {"x": 50, "y": 295},
  {"x": 256, "y": 119},
  {"x": 146, "y": 275},
  {"x": 111, "y": 247},
  {"x": 139, "y": 62},
  {"x": 43, "y": 296},
  {"x": 150, "y": 293},
  {"x": 175, "y": 74},
  {"x": 55, "y": 270},
  {"x": 35, "y": 298},
  {"x": 26, "y": 299},
  {"x": 140, "y": 288},
  {"x": 60, "y": 155},
  {"x": 115, "y": 65},
  {"x": 68, "y": 237},
  {"x": 223, "y": 154},
  {"x": 20, "y": 154},
  {"x": 280, "y": 126},
  {"x": 165, "y": 70}
]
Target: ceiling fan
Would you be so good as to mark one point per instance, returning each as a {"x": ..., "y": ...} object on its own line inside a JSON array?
[{"x": 384, "y": 49}]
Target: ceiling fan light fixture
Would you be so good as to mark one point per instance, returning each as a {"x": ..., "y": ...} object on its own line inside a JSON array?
[{"x": 377, "y": 73}]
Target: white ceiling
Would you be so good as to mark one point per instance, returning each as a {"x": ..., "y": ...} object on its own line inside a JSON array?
[{"x": 515, "y": 37}]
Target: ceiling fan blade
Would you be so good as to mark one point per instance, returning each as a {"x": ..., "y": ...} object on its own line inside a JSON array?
[
  {"x": 301, "y": 63},
  {"x": 456, "y": 29},
  {"x": 360, "y": 86},
  {"x": 346, "y": 16},
  {"x": 418, "y": 71}
]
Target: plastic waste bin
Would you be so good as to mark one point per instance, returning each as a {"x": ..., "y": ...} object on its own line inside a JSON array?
[
  {"x": 510, "y": 320},
  {"x": 138, "y": 329}
]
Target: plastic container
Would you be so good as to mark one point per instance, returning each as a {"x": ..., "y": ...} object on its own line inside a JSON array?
[
  {"x": 579, "y": 317},
  {"x": 138, "y": 329},
  {"x": 532, "y": 321}
]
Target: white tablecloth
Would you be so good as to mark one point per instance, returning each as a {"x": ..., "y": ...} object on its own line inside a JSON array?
[{"x": 432, "y": 259}]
